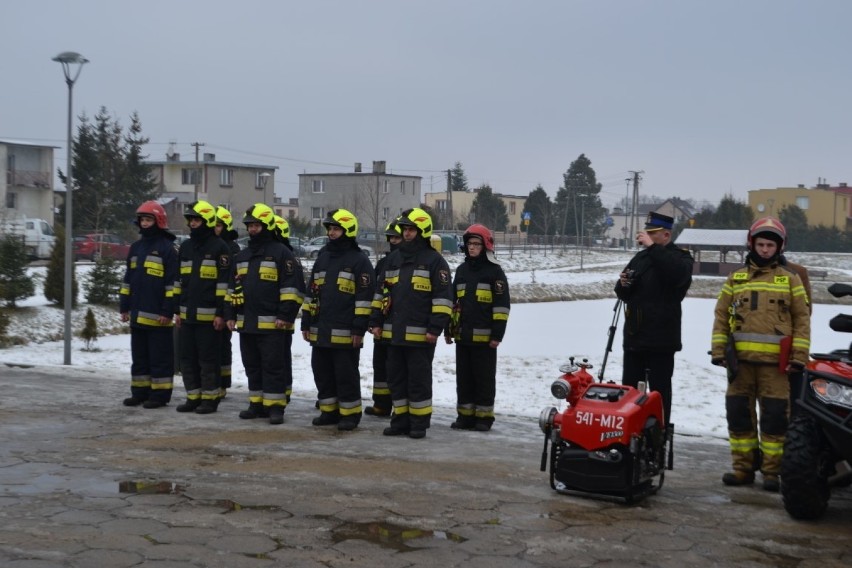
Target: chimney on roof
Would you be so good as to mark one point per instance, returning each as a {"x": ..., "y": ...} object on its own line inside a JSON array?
[
  {"x": 208, "y": 157},
  {"x": 357, "y": 167},
  {"x": 842, "y": 184},
  {"x": 378, "y": 167},
  {"x": 801, "y": 186}
]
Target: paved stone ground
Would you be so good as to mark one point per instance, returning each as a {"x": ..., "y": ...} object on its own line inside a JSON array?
[{"x": 87, "y": 482}]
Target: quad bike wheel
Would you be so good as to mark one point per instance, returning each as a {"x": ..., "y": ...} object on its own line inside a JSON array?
[{"x": 804, "y": 483}]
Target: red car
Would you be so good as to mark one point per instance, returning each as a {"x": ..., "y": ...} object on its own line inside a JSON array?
[{"x": 100, "y": 245}]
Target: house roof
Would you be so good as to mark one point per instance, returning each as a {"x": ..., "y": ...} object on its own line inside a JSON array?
[
  {"x": 728, "y": 238},
  {"x": 12, "y": 142}
]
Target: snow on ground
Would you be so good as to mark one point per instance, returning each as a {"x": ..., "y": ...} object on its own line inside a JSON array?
[{"x": 540, "y": 337}]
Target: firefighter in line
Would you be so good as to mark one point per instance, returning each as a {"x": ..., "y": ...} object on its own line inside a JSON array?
[
  {"x": 382, "y": 403},
  {"x": 264, "y": 295},
  {"x": 205, "y": 267},
  {"x": 481, "y": 306},
  {"x": 225, "y": 231},
  {"x": 335, "y": 316},
  {"x": 282, "y": 235},
  {"x": 416, "y": 308},
  {"x": 652, "y": 287},
  {"x": 147, "y": 302},
  {"x": 764, "y": 307}
]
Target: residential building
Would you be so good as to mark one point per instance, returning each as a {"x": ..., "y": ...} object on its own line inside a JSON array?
[
  {"x": 288, "y": 210},
  {"x": 376, "y": 198},
  {"x": 26, "y": 180},
  {"x": 462, "y": 208},
  {"x": 823, "y": 205},
  {"x": 234, "y": 185}
]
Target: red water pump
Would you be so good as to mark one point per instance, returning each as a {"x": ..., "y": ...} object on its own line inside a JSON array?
[{"x": 611, "y": 440}]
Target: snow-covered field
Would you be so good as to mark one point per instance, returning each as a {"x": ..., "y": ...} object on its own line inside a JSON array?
[{"x": 540, "y": 337}]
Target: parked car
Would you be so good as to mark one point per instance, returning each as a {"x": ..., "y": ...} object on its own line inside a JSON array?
[
  {"x": 315, "y": 244},
  {"x": 297, "y": 243},
  {"x": 94, "y": 246}
]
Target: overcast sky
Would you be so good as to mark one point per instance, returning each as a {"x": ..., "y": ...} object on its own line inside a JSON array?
[{"x": 706, "y": 98}]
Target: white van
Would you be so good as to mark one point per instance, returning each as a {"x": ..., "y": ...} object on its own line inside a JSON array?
[{"x": 37, "y": 234}]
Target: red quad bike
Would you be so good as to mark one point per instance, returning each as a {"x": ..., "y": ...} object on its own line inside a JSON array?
[
  {"x": 611, "y": 441},
  {"x": 818, "y": 446}
]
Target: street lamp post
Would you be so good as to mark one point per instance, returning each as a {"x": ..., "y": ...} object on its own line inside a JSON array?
[
  {"x": 68, "y": 59},
  {"x": 264, "y": 179}
]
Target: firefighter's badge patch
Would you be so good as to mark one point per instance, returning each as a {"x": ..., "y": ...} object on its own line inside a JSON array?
[
  {"x": 224, "y": 261},
  {"x": 289, "y": 267},
  {"x": 499, "y": 287},
  {"x": 444, "y": 276},
  {"x": 365, "y": 280}
]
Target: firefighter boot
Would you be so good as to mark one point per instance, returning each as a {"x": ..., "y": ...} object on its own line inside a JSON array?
[
  {"x": 483, "y": 425},
  {"x": 326, "y": 419},
  {"x": 207, "y": 407},
  {"x": 464, "y": 423},
  {"x": 738, "y": 478},
  {"x": 188, "y": 406},
  {"x": 771, "y": 483},
  {"x": 349, "y": 423},
  {"x": 255, "y": 410},
  {"x": 377, "y": 411},
  {"x": 132, "y": 401},
  {"x": 276, "y": 414}
]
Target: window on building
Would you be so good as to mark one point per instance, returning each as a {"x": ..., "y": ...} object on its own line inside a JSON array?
[
  {"x": 512, "y": 207},
  {"x": 190, "y": 176},
  {"x": 385, "y": 213},
  {"x": 226, "y": 177},
  {"x": 318, "y": 186},
  {"x": 317, "y": 213},
  {"x": 402, "y": 187},
  {"x": 261, "y": 179},
  {"x": 11, "y": 200},
  {"x": 385, "y": 187},
  {"x": 803, "y": 203}
]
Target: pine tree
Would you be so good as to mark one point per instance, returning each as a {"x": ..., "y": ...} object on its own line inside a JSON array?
[
  {"x": 90, "y": 331},
  {"x": 14, "y": 282},
  {"x": 103, "y": 283},
  {"x": 458, "y": 181},
  {"x": 54, "y": 283},
  {"x": 110, "y": 176},
  {"x": 4, "y": 327},
  {"x": 540, "y": 208},
  {"x": 489, "y": 210},
  {"x": 578, "y": 201}
]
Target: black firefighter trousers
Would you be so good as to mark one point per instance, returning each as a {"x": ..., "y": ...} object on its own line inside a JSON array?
[{"x": 410, "y": 381}]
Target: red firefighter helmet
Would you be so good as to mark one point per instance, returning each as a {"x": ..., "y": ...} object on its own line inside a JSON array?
[
  {"x": 770, "y": 228},
  {"x": 481, "y": 231},
  {"x": 156, "y": 211}
]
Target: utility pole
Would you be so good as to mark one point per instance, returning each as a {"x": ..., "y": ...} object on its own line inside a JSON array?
[
  {"x": 450, "y": 198},
  {"x": 197, "y": 168},
  {"x": 635, "y": 210}
]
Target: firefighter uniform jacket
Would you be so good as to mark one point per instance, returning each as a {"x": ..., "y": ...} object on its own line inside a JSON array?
[
  {"x": 338, "y": 297},
  {"x": 661, "y": 276},
  {"x": 267, "y": 284},
  {"x": 416, "y": 297},
  {"x": 147, "y": 291},
  {"x": 205, "y": 268},
  {"x": 480, "y": 302},
  {"x": 762, "y": 305}
]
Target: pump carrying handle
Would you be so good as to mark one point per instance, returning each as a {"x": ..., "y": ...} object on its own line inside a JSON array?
[{"x": 610, "y": 338}]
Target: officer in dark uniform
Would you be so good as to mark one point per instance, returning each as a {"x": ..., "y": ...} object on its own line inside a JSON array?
[
  {"x": 334, "y": 319},
  {"x": 147, "y": 302},
  {"x": 205, "y": 267},
  {"x": 265, "y": 295},
  {"x": 416, "y": 307},
  {"x": 652, "y": 287}
]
